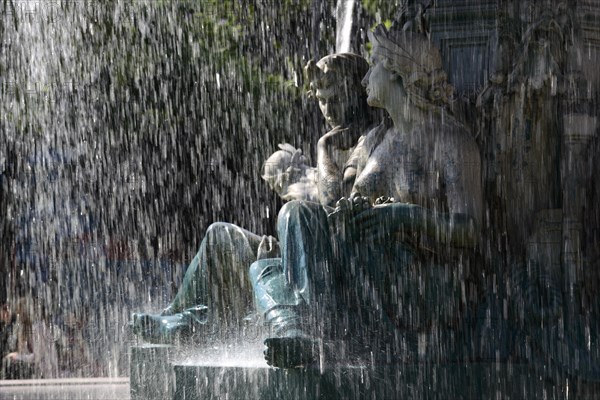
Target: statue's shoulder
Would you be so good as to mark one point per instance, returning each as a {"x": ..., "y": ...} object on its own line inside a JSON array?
[
  {"x": 455, "y": 137},
  {"x": 373, "y": 138}
]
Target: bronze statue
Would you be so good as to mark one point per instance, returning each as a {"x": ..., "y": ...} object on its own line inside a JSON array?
[
  {"x": 216, "y": 289},
  {"x": 395, "y": 255}
]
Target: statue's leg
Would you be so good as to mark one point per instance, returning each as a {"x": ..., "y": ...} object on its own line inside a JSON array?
[
  {"x": 292, "y": 293},
  {"x": 215, "y": 289},
  {"x": 217, "y": 276},
  {"x": 283, "y": 311},
  {"x": 411, "y": 299},
  {"x": 367, "y": 275},
  {"x": 386, "y": 278},
  {"x": 307, "y": 255}
]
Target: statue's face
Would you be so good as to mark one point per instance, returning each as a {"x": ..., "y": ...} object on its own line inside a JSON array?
[
  {"x": 384, "y": 89},
  {"x": 331, "y": 107},
  {"x": 377, "y": 81},
  {"x": 333, "y": 100}
]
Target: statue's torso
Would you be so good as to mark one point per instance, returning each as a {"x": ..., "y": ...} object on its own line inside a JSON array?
[{"x": 413, "y": 167}]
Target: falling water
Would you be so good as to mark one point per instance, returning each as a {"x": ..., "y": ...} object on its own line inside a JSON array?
[
  {"x": 344, "y": 11},
  {"x": 118, "y": 156},
  {"x": 128, "y": 128}
]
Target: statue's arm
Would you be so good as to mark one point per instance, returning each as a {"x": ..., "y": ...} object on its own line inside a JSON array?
[
  {"x": 380, "y": 221},
  {"x": 330, "y": 182}
]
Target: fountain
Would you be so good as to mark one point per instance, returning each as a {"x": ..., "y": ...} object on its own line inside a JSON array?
[{"x": 123, "y": 125}]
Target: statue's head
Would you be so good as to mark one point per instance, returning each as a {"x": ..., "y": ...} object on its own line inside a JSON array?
[
  {"x": 407, "y": 62},
  {"x": 284, "y": 167},
  {"x": 335, "y": 83}
]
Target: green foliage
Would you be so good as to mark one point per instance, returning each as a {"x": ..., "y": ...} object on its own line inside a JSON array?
[
  {"x": 170, "y": 86},
  {"x": 383, "y": 8}
]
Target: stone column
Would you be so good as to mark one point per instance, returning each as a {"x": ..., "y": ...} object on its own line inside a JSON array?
[{"x": 579, "y": 130}]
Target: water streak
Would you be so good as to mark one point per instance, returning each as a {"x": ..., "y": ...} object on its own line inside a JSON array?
[{"x": 344, "y": 12}]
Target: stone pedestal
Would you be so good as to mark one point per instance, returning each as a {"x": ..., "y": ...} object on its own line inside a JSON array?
[
  {"x": 238, "y": 372},
  {"x": 579, "y": 132},
  {"x": 151, "y": 373},
  {"x": 457, "y": 381}
]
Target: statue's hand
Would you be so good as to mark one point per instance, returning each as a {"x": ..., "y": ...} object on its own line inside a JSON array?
[
  {"x": 339, "y": 138},
  {"x": 345, "y": 210},
  {"x": 268, "y": 248},
  {"x": 350, "y": 206}
]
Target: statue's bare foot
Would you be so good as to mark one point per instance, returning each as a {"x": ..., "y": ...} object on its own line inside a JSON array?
[
  {"x": 291, "y": 352},
  {"x": 161, "y": 328},
  {"x": 156, "y": 328}
]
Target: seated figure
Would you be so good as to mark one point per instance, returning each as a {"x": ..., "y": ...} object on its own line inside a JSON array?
[
  {"x": 216, "y": 290},
  {"x": 289, "y": 175},
  {"x": 396, "y": 256}
]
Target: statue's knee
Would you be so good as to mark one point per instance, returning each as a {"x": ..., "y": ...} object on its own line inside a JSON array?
[
  {"x": 218, "y": 231},
  {"x": 217, "y": 228},
  {"x": 298, "y": 209},
  {"x": 289, "y": 208}
]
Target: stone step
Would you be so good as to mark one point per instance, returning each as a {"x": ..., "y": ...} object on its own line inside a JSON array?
[
  {"x": 65, "y": 389},
  {"x": 414, "y": 381},
  {"x": 162, "y": 372}
]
